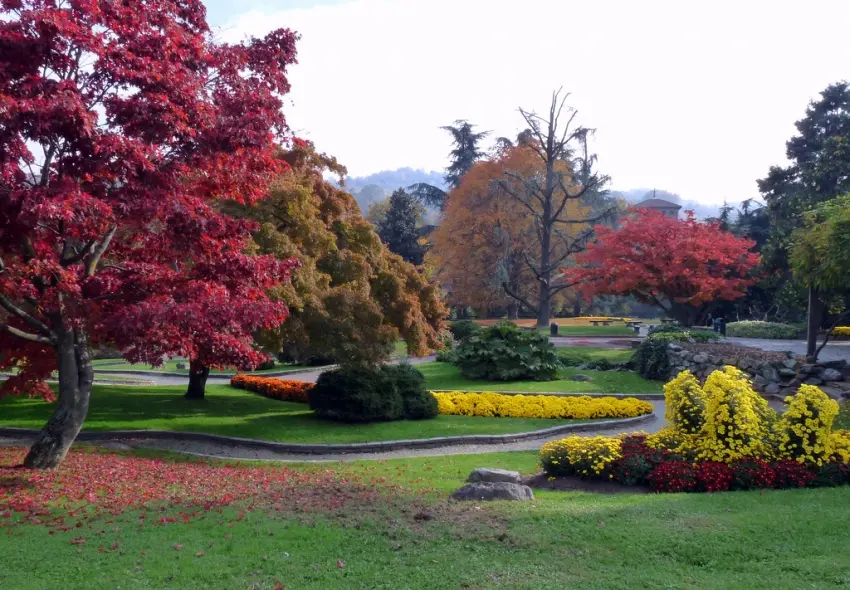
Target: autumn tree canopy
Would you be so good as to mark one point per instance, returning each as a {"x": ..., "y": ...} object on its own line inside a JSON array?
[
  {"x": 487, "y": 237},
  {"x": 121, "y": 125},
  {"x": 679, "y": 265},
  {"x": 352, "y": 298}
]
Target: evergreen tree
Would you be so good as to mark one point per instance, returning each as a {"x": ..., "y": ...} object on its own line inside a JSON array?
[
  {"x": 398, "y": 229},
  {"x": 464, "y": 154}
]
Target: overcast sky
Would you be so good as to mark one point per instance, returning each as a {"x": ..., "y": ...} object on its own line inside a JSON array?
[{"x": 693, "y": 97}]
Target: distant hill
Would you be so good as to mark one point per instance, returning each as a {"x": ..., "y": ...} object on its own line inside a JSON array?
[{"x": 380, "y": 185}]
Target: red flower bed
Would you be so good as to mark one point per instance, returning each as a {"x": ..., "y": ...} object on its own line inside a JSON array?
[
  {"x": 279, "y": 389},
  {"x": 668, "y": 472},
  {"x": 92, "y": 484}
]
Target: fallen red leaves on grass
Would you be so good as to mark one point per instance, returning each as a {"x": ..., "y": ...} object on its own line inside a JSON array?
[{"x": 92, "y": 484}]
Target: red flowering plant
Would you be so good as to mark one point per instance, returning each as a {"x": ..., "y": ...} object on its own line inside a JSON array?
[
  {"x": 752, "y": 475},
  {"x": 713, "y": 476},
  {"x": 673, "y": 477}
]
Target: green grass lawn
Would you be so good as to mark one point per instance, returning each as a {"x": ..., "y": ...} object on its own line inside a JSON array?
[
  {"x": 171, "y": 367},
  {"x": 580, "y": 354},
  {"x": 753, "y": 540},
  {"x": 447, "y": 376},
  {"x": 614, "y": 330},
  {"x": 233, "y": 412},
  {"x": 842, "y": 421}
]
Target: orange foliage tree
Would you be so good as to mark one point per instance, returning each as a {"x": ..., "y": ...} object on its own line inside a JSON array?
[
  {"x": 352, "y": 298},
  {"x": 487, "y": 241}
]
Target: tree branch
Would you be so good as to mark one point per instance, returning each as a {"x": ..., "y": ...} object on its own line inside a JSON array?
[
  {"x": 91, "y": 268},
  {"x": 16, "y": 311},
  {"x": 78, "y": 256},
  {"x": 518, "y": 297},
  {"x": 26, "y": 335},
  {"x": 826, "y": 336}
]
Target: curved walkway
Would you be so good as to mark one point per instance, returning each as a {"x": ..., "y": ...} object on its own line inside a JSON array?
[{"x": 221, "y": 450}]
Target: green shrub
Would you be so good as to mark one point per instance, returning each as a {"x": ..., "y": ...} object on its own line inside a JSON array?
[
  {"x": 665, "y": 329},
  {"x": 503, "y": 352},
  {"x": 447, "y": 354},
  {"x": 464, "y": 330},
  {"x": 409, "y": 384},
  {"x": 761, "y": 330},
  {"x": 573, "y": 358},
  {"x": 650, "y": 360},
  {"x": 372, "y": 394}
]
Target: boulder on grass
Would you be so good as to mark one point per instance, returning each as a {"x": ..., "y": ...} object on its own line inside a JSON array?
[
  {"x": 493, "y": 475},
  {"x": 493, "y": 490}
]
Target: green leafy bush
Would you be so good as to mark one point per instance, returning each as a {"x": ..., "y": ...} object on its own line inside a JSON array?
[
  {"x": 372, "y": 394},
  {"x": 463, "y": 330},
  {"x": 409, "y": 384},
  {"x": 754, "y": 329},
  {"x": 573, "y": 358},
  {"x": 650, "y": 360},
  {"x": 503, "y": 352}
]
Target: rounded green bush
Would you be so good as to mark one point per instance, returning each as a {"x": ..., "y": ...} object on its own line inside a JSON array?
[
  {"x": 769, "y": 330},
  {"x": 355, "y": 394},
  {"x": 504, "y": 352},
  {"x": 463, "y": 330},
  {"x": 409, "y": 384}
]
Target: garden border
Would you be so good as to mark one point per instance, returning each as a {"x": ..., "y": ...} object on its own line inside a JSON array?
[
  {"x": 327, "y": 449},
  {"x": 643, "y": 396}
]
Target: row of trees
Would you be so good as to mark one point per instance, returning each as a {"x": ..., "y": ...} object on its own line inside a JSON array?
[{"x": 146, "y": 203}]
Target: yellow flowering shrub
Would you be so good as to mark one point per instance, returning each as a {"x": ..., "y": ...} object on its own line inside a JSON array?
[
  {"x": 738, "y": 421},
  {"x": 580, "y": 455},
  {"x": 686, "y": 401},
  {"x": 841, "y": 331},
  {"x": 488, "y": 403},
  {"x": 840, "y": 445},
  {"x": 803, "y": 433}
]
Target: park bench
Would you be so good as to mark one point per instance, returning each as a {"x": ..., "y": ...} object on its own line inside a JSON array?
[{"x": 603, "y": 322}]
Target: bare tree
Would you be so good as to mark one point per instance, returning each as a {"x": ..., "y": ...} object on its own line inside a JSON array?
[{"x": 569, "y": 177}]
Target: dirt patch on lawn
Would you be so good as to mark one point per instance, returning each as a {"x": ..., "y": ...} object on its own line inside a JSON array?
[
  {"x": 541, "y": 481},
  {"x": 734, "y": 351}
]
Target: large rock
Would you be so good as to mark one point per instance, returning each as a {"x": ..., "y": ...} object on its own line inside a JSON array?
[
  {"x": 674, "y": 347},
  {"x": 770, "y": 373},
  {"x": 813, "y": 381},
  {"x": 807, "y": 368},
  {"x": 493, "y": 475},
  {"x": 772, "y": 388},
  {"x": 835, "y": 364},
  {"x": 760, "y": 381},
  {"x": 786, "y": 372},
  {"x": 579, "y": 377},
  {"x": 700, "y": 358},
  {"x": 490, "y": 490},
  {"x": 831, "y": 375},
  {"x": 791, "y": 364}
]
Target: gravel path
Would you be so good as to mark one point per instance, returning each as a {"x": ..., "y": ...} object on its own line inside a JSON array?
[
  {"x": 833, "y": 351},
  {"x": 221, "y": 451}
]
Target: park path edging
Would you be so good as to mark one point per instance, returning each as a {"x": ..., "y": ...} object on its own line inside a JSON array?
[{"x": 341, "y": 449}]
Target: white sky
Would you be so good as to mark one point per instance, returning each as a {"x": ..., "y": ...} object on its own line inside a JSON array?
[{"x": 697, "y": 98}]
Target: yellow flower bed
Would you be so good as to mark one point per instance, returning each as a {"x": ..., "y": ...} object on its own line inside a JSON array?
[
  {"x": 488, "y": 403},
  {"x": 841, "y": 331},
  {"x": 840, "y": 444},
  {"x": 580, "y": 455}
]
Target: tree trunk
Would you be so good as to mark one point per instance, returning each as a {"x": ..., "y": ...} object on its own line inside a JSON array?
[
  {"x": 75, "y": 381},
  {"x": 816, "y": 309},
  {"x": 198, "y": 373}
]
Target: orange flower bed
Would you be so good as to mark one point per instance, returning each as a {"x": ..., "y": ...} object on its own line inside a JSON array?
[{"x": 280, "y": 389}]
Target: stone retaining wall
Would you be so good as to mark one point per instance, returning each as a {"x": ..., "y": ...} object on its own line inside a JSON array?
[{"x": 773, "y": 377}]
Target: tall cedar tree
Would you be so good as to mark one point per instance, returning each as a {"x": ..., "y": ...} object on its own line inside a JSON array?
[
  {"x": 398, "y": 229},
  {"x": 678, "y": 265},
  {"x": 819, "y": 171},
  {"x": 465, "y": 153},
  {"x": 122, "y": 123},
  {"x": 566, "y": 176},
  {"x": 351, "y": 298}
]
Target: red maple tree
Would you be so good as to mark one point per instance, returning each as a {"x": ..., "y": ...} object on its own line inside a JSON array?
[
  {"x": 122, "y": 125},
  {"x": 679, "y": 265}
]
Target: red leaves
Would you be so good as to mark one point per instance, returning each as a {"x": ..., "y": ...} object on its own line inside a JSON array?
[
  {"x": 151, "y": 125},
  {"x": 655, "y": 257},
  {"x": 93, "y": 485}
]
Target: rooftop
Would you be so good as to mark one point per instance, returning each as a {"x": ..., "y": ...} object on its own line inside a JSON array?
[{"x": 657, "y": 204}]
